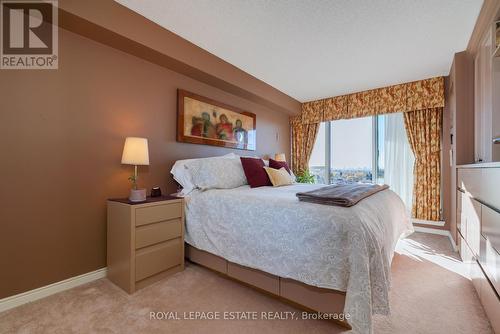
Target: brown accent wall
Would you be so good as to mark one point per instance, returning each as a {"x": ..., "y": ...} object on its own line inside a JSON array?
[{"x": 62, "y": 138}]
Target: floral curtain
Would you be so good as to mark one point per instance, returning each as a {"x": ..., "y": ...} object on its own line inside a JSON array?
[
  {"x": 303, "y": 138},
  {"x": 361, "y": 104},
  {"x": 391, "y": 99},
  {"x": 423, "y": 128},
  {"x": 312, "y": 112},
  {"x": 425, "y": 94},
  {"x": 405, "y": 97},
  {"x": 335, "y": 108}
]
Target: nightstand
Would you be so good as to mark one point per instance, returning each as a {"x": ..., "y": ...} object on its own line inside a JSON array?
[{"x": 145, "y": 241}]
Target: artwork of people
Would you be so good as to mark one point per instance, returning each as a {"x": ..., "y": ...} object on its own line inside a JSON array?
[{"x": 213, "y": 124}]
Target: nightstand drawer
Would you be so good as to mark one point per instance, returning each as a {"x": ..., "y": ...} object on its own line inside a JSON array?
[
  {"x": 157, "y": 213},
  {"x": 154, "y": 233},
  {"x": 154, "y": 259}
]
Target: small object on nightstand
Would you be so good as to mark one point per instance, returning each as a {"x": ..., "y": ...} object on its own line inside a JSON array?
[
  {"x": 145, "y": 241},
  {"x": 155, "y": 192}
]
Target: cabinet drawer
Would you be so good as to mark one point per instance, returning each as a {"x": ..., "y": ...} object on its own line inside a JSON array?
[
  {"x": 154, "y": 259},
  {"x": 490, "y": 261},
  {"x": 459, "y": 201},
  {"x": 459, "y": 211},
  {"x": 470, "y": 222},
  {"x": 469, "y": 180},
  {"x": 491, "y": 304},
  {"x": 490, "y": 191},
  {"x": 154, "y": 233},
  {"x": 157, "y": 213},
  {"x": 471, "y": 265},
  {"x": 473, "y": 230},
  {"x": 465, "y": 253},
  {"x": 490, "y": 228}
]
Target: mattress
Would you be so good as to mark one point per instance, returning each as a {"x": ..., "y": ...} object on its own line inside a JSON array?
[{"x": 267, "y": 228}]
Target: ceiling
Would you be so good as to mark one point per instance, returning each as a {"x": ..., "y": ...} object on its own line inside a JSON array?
[{"x": 311, "y": 49}]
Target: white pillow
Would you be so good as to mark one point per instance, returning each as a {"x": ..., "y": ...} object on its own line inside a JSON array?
[
  {"x": 214, "y": 173},
  {"x": 183, "y": 176}
]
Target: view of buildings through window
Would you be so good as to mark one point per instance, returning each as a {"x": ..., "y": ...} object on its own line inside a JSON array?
[{"x": 349, "y": 150}]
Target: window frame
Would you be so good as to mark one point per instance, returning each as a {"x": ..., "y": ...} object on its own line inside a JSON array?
[{"x": 375, "y": 151}]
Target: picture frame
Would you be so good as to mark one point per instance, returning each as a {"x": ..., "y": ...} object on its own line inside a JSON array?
[{"x": 205, "y": 121}]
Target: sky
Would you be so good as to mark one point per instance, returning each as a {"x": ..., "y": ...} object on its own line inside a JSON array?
[{"x": 351, "y": 144}]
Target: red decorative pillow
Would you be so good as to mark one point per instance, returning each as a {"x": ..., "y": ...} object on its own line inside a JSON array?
[
  {"x": 279, "y": 164},
  {"x": 255, "y": 172}
]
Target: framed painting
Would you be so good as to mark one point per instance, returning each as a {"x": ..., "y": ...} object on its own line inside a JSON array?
[{"x": 201, "y": 120}]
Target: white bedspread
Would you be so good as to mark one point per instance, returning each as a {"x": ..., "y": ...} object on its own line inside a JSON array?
[{"x": 347, "y": 249}]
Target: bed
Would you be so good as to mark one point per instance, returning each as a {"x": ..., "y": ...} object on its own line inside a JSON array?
[{"x": 324, "y": 258}]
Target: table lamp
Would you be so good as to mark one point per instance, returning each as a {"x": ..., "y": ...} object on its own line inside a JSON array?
[
  {"x": 280, "y": 157},
  {"x": 135, "y": 152}
]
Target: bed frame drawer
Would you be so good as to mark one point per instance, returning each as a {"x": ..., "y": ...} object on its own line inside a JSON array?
[
  {"x": 157, "y": 258},
  {"x": 151, "y": 234},
  {"x": 318, "y": 299},
  {"x": 257, "y": 278},
  {"x": 206, "y": 259},
  {"x": 300, "y": 295},
  {"x": 157, "y": 213}
]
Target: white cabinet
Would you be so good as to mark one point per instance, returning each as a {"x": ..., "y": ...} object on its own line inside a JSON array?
[
  {"x": 487, "y": 98},
  {"x": 478, "y": 221}
]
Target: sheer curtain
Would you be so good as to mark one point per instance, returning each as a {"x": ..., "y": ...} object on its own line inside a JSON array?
[{"x": 399, "y": 158}]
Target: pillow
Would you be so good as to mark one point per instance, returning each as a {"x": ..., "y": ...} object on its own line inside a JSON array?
[
  {"x": 216, "y": 173},
  {"x": 279, "y": 177},
  {"x": 183, "y": 176},
  {"x": 254, "y": 172},
  {"x": 279, "y": 164}
]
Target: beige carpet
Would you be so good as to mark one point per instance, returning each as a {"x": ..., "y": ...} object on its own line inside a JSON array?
[{"x": 429, "y": 295}]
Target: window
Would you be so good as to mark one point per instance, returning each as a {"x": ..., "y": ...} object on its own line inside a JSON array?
[
  {"x": 368, "y": 149},
  {"x": 351, "y": 151},
  {"x": 343, "y": 151}
]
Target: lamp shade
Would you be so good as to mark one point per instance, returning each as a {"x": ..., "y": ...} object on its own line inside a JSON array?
[
  {"x": 135, "y": 151},
  {"x": 280, "y": 157}
]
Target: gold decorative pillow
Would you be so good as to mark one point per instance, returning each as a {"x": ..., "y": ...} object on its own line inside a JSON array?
[{"x": 279, "y": 177}]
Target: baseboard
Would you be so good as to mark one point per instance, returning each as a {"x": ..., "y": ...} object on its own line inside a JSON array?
[
  {"x": 44, "y": 291},
  {"x": 428, "y": 222},
  {"x": 437, "y": 231}
]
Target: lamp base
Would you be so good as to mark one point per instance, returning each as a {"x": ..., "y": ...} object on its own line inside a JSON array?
[{"x": 137, "y": 195}]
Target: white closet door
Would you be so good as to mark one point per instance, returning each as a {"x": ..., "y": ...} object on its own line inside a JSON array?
[{"x": 483, "y": 100}]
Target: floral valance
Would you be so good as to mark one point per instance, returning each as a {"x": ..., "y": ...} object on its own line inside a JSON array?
[{"x": 405, "y": 97}]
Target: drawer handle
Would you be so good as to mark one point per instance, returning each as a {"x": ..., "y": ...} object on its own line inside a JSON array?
[{"x": 496, "y": 140}]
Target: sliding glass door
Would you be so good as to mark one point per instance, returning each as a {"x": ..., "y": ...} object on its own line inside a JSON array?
[{"x": 369, "y": 149}]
